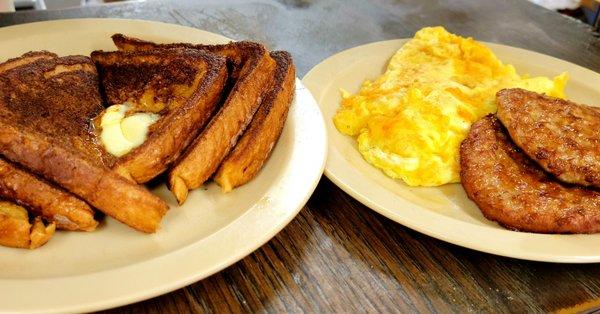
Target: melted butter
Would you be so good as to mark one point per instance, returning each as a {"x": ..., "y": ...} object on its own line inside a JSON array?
[{"x": 120, "y": 133}]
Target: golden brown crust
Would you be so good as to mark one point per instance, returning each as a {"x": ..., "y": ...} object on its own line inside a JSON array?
[
  {"x": 237, "y": 53},
  {"x": 252, "y": 69},
  {"x": 44, "y": 199},
  {"x": 46, "y": 95},
  {"x": 14, "y": 232},
  {"x": 98, "y": 185},
  {"x": 513, "y": 190},
  {"x": 45, "y": 112},
  {"x": 560, "y": 135},
  {"x": 26, "y": 58},
  {"x": 205, "y": 154},
  {"x": 40, "y": 234},
  {"x": 17, "y": 232},
  {"x": 255, "y": 146},
  {"x": 185, "y": 83}
]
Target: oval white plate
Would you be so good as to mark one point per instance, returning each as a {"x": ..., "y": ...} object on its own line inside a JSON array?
[
  {"x": 115, "y": 265},
  {"x": 441, "y": 212}
]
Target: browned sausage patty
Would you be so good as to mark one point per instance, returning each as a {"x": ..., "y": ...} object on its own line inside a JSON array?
[
  {"x": 560, "y": 135},
  {"x": 513, "y": 190}
]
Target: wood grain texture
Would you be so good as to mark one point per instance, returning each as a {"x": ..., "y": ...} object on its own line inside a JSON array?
[{"x": 338, "y": 255}]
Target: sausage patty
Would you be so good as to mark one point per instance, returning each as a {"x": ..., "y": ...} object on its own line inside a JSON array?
[
  {"x": 513, "y": 190},
  {"x": 560, "y": 135}
]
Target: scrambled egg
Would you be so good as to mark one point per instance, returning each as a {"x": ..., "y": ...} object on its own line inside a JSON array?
[{"x": 410, "y": 121}]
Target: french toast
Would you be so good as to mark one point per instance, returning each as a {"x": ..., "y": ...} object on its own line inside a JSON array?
[
  {"x": 44, "y": 199},
  {"x": 16, "y": 184},
  {"x": 16, "y": 231},
  {"x": 251, "y": 74},
  {"x": 255, "y": 146},
  {"x": 25, "y": 59},
  {"x": 46, "y": 107},
  {"x": 183, "y": 86}
]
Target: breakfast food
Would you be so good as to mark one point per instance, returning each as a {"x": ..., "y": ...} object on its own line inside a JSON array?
[
  {"x": 175, "y": 90},
  {"x": 563, "y": 137},
  {"x": 46, "y": 107},
  {"x": 410, "y": 121},
  {"x": 251, "y": 75},
  {"x": 79, "y": 134},
  {"x": 56, "y": 96},
  {"x": 44, "y": 199},
  {"x": 513, "y": 190},
  {"x": 205, "y": 154},
  {"x": 16, "y": 231},
  {"x": 255, "y": 146}
]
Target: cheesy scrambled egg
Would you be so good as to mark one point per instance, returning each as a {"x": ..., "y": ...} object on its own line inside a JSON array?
[{"x": 410, "y": 121}]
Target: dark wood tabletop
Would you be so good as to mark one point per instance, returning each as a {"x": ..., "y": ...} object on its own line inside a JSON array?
[{"x": 338, "y": 255}]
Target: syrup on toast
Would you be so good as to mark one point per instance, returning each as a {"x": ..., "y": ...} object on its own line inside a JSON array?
[
  {"x": 182, "y": 85},
  {"x": 255, "y": 146},
  {"x": 46, "y": 105},
  {"x": 252, "y": 71}
]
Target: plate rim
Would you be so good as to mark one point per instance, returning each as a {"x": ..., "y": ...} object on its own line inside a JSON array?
[
  {"x": 309, "y": 108},
  {"x": 368, "y": 198}
]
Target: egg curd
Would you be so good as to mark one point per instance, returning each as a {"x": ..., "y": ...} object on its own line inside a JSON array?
[{"x": 410, "y": 121}]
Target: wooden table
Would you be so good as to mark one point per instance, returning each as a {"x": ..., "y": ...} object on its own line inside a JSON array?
[{"x": 338, "y": 255}]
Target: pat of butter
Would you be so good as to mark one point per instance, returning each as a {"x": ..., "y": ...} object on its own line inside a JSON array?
[{"x": 121, "y": 134}]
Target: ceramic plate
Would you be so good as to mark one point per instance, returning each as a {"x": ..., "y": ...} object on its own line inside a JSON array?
[
  {"x": 115, "y": 265},
  {"x": 442, "y": 212}
]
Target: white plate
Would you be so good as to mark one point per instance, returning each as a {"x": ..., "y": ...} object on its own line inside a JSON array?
[
  {"x": 441, "y": 212},
  {"x": 115, "y": 265}
]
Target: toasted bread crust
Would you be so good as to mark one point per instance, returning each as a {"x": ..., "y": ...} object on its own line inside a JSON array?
[
  {"x": 99, "y": 186},
  {"x": 205, "y": 73},
  {"x": 560, "y": 135},
  {"x": 14, "y": 232},
  {"x": 17, "y": 232},
  {"x": 252, "y": 70},
  {"x": 45, "y": 94},
  {"x": 44, "y": 199},
  {"x": 255, "y": 146},
  {"x": 26, "y": 58},
  {"x": 45, "y": 112},
  {"x": 513, "y": 190},
  {"x": 40, "y": 234},
  {"x": 205, "y": 154},
  {"x": 236, "y": 52}
]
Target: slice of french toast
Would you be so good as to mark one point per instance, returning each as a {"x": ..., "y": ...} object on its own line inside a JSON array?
[
  {"x": 16, "y": 230},
  {"x": 49, "y": 201},
  {"x": 44, "y": 199},
  {"x": 180, "y": 87},
  {"x": 255, "y": 146},
  {"x": 251, "y": 75},
  {"x": 46, "y": 107}
]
